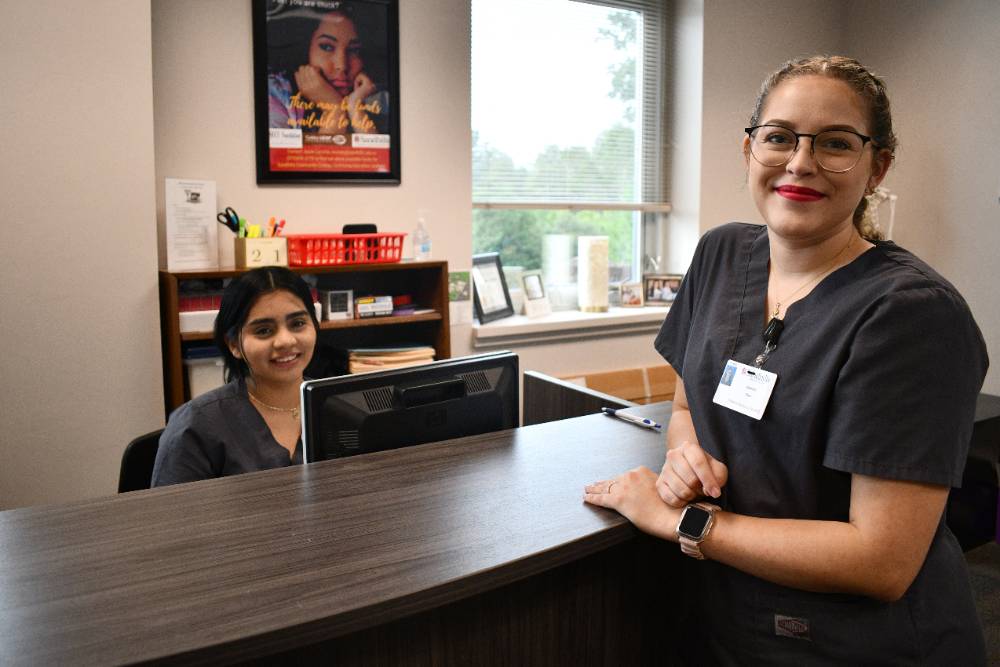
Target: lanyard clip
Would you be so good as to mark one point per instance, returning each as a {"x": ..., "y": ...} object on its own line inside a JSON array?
[
  {"x": 771, "y": 334},
  {"x": 769, "y": 347}
]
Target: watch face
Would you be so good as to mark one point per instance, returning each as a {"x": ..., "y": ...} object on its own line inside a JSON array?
[{"x": 693, "y": 522}]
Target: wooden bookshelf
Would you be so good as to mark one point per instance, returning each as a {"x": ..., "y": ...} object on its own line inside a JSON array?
[{"x": 427, "y": 282}]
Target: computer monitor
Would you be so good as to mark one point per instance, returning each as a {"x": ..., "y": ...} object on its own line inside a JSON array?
[{"x": 369, "y": 412}]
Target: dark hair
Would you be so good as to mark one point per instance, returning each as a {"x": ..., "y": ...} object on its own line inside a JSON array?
[
  {"x": 871, "y": 89},
  {"x": 240, "y": 296},
  {"x": 290, "y": 28}
]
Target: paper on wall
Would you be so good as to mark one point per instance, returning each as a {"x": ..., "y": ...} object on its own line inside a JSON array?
[{"x": 192, "y": 229}]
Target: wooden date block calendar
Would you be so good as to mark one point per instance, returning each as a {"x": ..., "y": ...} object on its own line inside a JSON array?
[{"x": 268, "y": 251}]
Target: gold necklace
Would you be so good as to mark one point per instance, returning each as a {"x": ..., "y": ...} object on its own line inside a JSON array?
[
  {"x": 817, "y": 277},
  {"x": 294, "y": 411}
]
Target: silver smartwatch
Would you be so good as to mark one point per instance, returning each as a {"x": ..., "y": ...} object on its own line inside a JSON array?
[{"x": 694, "y": 526}]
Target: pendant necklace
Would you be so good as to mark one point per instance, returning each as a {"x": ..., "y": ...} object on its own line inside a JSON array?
[
  {"x": 816, "y": 278},
  {"x": 775, "y": 325},
  {"x": 294, "y": 411}
]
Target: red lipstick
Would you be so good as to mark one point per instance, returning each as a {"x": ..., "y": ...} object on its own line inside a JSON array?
[{"x": 796, "y": 193}]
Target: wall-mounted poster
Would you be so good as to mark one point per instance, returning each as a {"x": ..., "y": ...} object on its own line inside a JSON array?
[{"x": 326, "y": 88}]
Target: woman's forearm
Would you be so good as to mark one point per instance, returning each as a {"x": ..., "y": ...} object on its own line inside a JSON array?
[
  {"x": 818, "y": 556},
  {"x": 680, "y": 428},
  {"x": 876, "y": 553}
]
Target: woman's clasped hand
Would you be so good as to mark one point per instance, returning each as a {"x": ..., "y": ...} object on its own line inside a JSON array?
[{"x": 688, "y": 473}]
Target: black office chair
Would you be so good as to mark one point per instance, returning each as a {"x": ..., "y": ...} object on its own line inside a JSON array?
[{"x": 137, "y": 462}]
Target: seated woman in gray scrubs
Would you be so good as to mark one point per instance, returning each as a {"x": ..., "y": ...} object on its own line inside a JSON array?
[
  {"x": 830, "y": 440},
  {"x": 266, "y": 331}
]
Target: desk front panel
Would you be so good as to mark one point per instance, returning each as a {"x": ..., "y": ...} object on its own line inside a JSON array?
[{"x": 251, "y": 565}]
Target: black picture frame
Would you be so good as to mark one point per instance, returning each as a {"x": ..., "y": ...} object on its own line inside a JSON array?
[
  {"x": 303, "y": 140},
  {"x": 490, "y": 295}
]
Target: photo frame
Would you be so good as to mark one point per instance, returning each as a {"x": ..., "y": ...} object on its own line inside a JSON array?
[
  {"x": 632, "y": 295},
  {"x": 536, "y": 301},
  {"x": 660, "y": 289},
  {"x": 490, "y": 295},
  {"x": 326, "y": 91}
]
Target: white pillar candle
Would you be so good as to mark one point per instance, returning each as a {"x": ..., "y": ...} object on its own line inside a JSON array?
[
  {"x": 557, "y": 259},
  {"x": 592, "y": 273}
]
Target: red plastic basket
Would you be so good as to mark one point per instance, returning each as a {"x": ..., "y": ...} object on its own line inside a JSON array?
[{"x": 331, "y": 249}]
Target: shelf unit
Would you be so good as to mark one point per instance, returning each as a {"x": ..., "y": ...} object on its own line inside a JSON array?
[{"x": 427, "y": 282}]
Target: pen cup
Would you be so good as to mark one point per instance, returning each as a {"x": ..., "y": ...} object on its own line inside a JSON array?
[{"x": 267, "y": 251}]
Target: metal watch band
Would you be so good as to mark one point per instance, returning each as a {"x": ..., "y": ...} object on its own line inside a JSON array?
[{"x": 693, "y": 547}]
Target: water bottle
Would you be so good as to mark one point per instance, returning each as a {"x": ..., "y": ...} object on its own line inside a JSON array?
[{"x": 421, "y": 240}]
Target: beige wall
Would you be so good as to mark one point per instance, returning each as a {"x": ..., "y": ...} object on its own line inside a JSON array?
[
  {"x": 203, "y": 106},
  {"x": 81, "y": 362},
  {"x": 940, "y": 61},
  {"x": 743, "y": 43},
  {"x": 82, "y": 374}
]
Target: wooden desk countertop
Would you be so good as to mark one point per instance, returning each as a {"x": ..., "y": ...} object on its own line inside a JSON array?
[{"x": 245, "y": 566}]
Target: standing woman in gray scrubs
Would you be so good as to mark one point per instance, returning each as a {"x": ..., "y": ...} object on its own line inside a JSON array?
[
  {"x": 825, "y": 404},
  {"x": 266, "y": 331}
]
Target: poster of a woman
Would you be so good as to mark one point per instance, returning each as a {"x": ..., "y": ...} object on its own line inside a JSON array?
[{"x": 326, "y": 85}]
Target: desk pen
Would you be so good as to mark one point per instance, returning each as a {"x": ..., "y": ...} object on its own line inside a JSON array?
[{"x": 632, "y": 419}]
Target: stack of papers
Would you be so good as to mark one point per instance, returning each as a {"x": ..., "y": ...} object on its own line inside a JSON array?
[{"x": 365, "y": 359}]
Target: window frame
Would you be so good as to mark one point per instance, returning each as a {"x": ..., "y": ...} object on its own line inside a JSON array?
[{"x": 651, "y": 131}]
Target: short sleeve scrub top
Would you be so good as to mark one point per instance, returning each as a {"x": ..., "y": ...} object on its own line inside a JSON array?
[
  {"x": 218, "y": 434},
  {"x": 878, "y": 372}
]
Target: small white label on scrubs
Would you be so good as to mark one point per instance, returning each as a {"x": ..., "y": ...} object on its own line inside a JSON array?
[{"x": 745, "y": 389}]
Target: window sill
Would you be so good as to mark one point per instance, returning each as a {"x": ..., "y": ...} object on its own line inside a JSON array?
[{"x": 568, "y": 325}]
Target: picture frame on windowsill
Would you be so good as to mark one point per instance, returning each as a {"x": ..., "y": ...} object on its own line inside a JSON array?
[
  {"x": 660, "y": 289},
  {"x": 490, "y": 295},
  {"x": 536, "y": 300},
  {"x": 631, "y": 295}
]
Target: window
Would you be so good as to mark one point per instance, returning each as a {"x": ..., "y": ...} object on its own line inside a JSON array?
[{"x": 567, "y": 126}]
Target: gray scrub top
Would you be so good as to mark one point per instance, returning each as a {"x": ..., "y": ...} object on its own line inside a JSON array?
[
  {"x": 217, "y": 434},
  {"x": 878, "y": 371}
]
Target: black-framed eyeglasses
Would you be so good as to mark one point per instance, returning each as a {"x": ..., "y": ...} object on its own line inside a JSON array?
[{"x": 836, "y": 151}]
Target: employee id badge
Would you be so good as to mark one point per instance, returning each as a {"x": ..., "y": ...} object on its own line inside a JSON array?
[{"x": 745, "y": 389}]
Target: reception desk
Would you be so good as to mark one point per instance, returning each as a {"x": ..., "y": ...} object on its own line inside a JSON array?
[{"x": 470, "y": 551}]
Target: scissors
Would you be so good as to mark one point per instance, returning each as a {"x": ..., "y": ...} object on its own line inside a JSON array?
[{"x": 229, "y": 218}]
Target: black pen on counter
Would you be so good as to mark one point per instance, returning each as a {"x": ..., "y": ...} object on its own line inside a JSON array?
[{"x": 632, "y": 419}]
